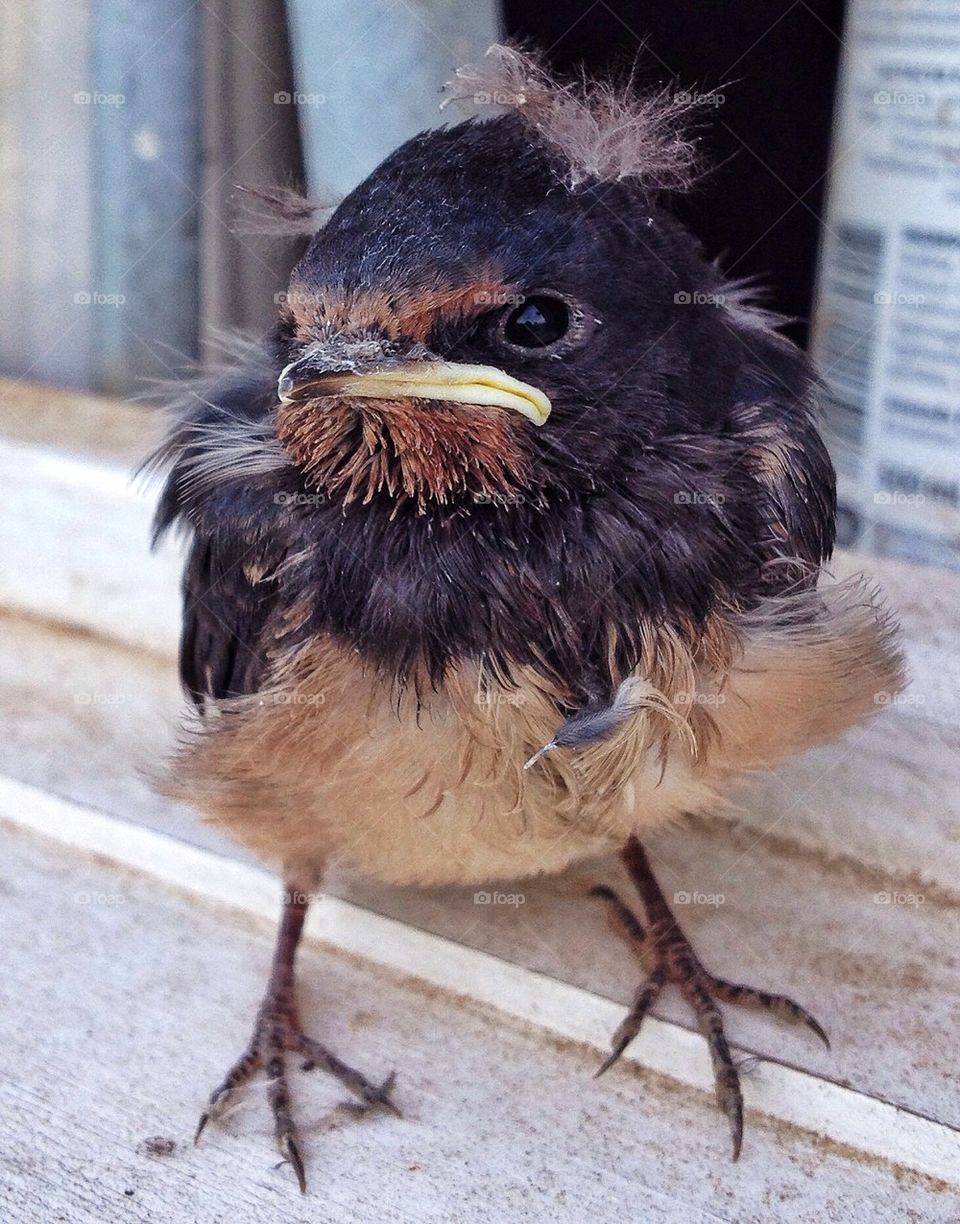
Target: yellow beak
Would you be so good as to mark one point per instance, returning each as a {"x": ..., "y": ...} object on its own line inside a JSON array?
[{"x": 435, "y": 380}]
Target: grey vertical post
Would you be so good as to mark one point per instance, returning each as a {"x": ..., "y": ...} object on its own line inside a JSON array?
[
  {"x": 369, "y": 75},
  {"x": 250, "y": 139},
  {"x": 146, "y": 182},
  {"x": 45, "y": 214}
]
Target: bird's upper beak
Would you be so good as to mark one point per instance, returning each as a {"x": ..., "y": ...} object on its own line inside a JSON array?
[{"x": 419, "y": 379}]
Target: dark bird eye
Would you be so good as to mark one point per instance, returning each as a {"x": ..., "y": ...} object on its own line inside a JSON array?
[{"x": 537, "y": 322}]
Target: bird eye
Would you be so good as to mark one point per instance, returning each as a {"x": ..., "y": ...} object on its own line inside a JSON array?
[{"x": 538, "y": 322}]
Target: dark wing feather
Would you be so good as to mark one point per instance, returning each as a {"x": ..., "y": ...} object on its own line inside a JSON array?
[{"x": 224, "y": 617}]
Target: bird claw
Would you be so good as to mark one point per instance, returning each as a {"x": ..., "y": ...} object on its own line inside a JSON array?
[
  {"x": 668, "y": 958},
  {"x": 212, "y": 1113},
  {"x": 381, "y": 1098},
  {"x": 276, "y": 1034},
  {"x": 291, "y": 1153},
  {"x": 376, "y": 1099}
]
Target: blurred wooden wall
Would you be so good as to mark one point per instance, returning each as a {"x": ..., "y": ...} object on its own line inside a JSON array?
[
  {"x": 369, "y": 75},
  {"x": 125, "y": 127},
  {"x": 249, "y": 138},
  {"x": 46, "y": 254}
]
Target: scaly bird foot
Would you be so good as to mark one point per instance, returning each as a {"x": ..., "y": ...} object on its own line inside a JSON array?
[
  {"x": 276, "y": 1034},
  {"x": 667, "y": 957}
]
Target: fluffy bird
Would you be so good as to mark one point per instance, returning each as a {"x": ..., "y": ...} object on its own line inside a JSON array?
[{"x": 514, "y": 492}]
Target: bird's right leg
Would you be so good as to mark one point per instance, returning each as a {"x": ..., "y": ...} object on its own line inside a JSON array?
[
  {"x": 668, "y": 958},
  {"x": 277, "y": 1032}
]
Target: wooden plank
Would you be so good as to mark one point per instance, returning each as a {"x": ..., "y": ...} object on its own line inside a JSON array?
[
  {"x": 65, "y": 527},
  {"x": 77, "y": 425},
  {"x": 872, "y": 1127},
  {"x": 501, "y": 1121},
  {"x": 93, "y": 724}
]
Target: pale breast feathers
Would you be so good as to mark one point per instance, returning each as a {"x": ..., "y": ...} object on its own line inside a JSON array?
[{"x": 326, "y": 763}]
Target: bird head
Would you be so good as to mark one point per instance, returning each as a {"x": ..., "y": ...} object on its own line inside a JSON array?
[
  {"x": 466, "y": 328},
  {"x": 487, "y": 317}
]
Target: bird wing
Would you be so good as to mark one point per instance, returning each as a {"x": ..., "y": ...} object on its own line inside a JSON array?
[
  {"x": 218, "y": 456},
  {"x": 228, "y": 596}
]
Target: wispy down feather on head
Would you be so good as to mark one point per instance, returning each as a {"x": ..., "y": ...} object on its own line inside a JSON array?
[
  {"x": 605, "y": 132},
  {"x": 279, "y": 211}
]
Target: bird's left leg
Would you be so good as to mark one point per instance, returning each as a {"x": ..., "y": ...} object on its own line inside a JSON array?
[
  {"x": 667, "y": 957},
  {"x": 277, "y": 1032}
]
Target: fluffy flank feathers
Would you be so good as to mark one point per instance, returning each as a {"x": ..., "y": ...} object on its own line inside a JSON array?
[
  {"x": 216, "y": 431},
  {"x": 815, "y": 662}
]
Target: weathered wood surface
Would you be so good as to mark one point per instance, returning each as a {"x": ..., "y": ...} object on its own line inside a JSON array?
[{"x": 125, "y": 1001}]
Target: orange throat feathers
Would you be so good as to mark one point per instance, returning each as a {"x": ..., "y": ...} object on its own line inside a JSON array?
[{"x": 412, "y": 450}]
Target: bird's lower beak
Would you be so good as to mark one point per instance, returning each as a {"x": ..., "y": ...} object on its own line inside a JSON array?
[{"x": 435, "y": 380}]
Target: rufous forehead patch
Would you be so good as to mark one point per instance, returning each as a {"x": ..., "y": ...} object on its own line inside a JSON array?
[{"x": 396, "y": 313}]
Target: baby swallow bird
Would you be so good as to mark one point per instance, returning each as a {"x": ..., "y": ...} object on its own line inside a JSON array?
[{"x": 505, "y": 544}]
